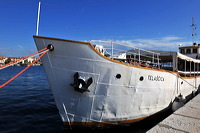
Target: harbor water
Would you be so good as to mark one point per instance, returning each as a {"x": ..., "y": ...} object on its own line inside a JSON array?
[{"x": 27, "y": 105}]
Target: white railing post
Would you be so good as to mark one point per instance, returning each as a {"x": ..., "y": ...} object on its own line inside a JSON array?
[
  {"x": 158, "y": 61},
  {"x": 111, "y": 49},
  {"x": 139, "y": 54},
  {"x": 194, "y": 69},
  {"x": 153, "y": 59},
  {"x": 190, "y": 67},
  {"x": 185, "y": 67}
]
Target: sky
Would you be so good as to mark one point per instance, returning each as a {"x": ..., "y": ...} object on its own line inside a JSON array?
[{"x": 146, "y": 24}]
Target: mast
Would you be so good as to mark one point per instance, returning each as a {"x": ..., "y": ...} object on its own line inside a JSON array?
[
  {"x": 193, "y": 33},
  {"x": 38, "y": 19}
]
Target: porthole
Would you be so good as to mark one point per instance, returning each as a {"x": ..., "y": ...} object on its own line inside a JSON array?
[
  {"x": 141, "y": 78},
  {"x": 118, "y": 76}
]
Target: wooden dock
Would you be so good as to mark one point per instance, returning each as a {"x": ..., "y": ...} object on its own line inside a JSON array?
[{"x": 184, "y": 120}]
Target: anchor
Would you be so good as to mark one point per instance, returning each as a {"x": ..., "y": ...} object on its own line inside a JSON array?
[{"x": 80, "y": 84}]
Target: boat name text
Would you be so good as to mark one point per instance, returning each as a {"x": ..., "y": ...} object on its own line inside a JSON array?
[{"x": 155, "y": 78}]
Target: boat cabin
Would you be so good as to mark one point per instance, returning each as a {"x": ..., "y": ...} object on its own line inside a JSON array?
[
  {"x": 183, "y": 64},
  {"x": 191, "y": 51}
]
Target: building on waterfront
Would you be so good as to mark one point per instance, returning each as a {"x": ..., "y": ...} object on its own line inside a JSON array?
[
  {"x": 5, "y": 60},
  {"x": 2, "y": 60},
  {"x": 27, "y": 61}
]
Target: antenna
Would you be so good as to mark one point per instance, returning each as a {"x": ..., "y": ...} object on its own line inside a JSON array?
[
  {"x": 193, "y": 28},
  {"x": 38, "y": 19}
]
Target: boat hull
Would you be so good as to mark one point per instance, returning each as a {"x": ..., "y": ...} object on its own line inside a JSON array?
[{"x": 119, "y": 94}]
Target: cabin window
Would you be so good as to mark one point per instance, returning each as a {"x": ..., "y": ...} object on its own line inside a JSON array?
[
  {"x": 182, "y": 51},
  {"x": 195, "y": 50},
  {"x": 188, "y": 51}
]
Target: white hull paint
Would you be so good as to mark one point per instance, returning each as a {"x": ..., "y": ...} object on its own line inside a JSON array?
[{"x": 138, "y": 93}]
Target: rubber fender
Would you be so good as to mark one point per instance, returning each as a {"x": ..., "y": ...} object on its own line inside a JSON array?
[{"x": 178, "y": 103}]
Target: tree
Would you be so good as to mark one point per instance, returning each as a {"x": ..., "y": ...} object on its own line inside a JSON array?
[{"x": 7, "y": 60}]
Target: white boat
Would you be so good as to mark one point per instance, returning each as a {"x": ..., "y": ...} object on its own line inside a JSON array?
[{"x": 103, "y": 85}]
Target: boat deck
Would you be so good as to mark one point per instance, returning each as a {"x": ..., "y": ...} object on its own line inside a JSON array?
[{"x": 186, "y": 119}]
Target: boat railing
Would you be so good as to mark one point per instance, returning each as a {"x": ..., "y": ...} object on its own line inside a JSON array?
[{"x": 128, "y": 54}]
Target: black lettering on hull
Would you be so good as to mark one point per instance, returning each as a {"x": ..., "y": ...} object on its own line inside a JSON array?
[{"x": 155, "y": 78}]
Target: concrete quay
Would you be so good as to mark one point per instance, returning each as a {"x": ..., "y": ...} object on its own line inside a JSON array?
[{"x": 184, "y": 120}]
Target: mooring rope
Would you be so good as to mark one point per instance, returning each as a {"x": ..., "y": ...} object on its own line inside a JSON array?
[
  {"x": 42, "y": 52},
  {"x": 23, "y": 58}
]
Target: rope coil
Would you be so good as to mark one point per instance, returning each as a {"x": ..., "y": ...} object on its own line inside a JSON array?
[{"x": 42, "y": 52}]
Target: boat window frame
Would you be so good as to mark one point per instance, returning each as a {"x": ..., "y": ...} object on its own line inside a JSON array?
[
  {"x": 182, "y": 51},
  {"x": 188, "y": 51},
  {"x": 194, "y": 50}
]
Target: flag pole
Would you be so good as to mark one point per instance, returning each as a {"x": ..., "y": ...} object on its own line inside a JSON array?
[{"x": 38, "y": 19}]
